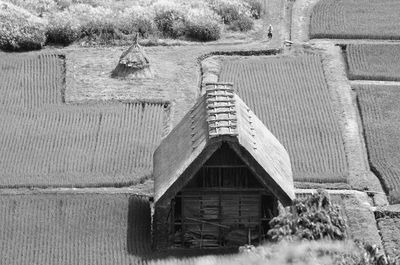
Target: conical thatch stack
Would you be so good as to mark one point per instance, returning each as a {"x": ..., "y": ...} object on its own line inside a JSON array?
[{"x": 133, "y": 63}]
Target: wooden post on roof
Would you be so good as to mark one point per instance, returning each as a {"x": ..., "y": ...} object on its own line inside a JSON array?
[{"x": 133, "y": 63}]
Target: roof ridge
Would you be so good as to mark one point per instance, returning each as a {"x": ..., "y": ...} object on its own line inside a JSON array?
[{"x": 221, "y": 109}]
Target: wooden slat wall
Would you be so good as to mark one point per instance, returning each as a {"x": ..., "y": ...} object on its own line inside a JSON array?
[{"x": 210, "y": 217}]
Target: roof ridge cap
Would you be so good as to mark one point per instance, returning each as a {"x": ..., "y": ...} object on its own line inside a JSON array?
[{"x": 221, "y": 109}]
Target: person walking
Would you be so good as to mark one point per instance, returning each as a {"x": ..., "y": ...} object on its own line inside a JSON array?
[{"x": 270, "y": 31}]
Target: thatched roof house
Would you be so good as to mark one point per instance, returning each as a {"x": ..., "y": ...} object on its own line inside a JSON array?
[{"x": 218, "y": 175}]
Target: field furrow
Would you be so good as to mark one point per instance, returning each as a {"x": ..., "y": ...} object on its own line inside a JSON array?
[
  {"x": 74, "y": 229},
  {"x": 290, "y": 96},
  {"x": 380, "y": 114},
  {"x": 356, "y": 19},
  {"x": 373, "y": 62},
  {"x": 44, "y": 142}
]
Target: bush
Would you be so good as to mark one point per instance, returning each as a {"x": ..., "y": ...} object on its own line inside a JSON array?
[
  {"x": 19, "y": 29},
  {"x": 312, "y": 218},
  {"x": 96, "y": 23},
  {"x": 203, "y": 24},
  {"x": 37, "y": 7},
  {"x": 63, "y": 28},
  {"x": 137, "y": 19},
  {"x": 256, "y": 8},
  {"x": 230, "y": 10},
  {"x": 170, "y": 18},
  {"x": 243, "y": 23}
]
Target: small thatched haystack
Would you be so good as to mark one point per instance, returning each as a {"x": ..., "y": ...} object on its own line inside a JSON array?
[{"x": 133, "y": 63}]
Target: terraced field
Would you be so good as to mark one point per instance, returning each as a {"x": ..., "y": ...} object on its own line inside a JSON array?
[
  {"x": 44, "y": 142},
  {"x": 373, "y": 62},
  {"x": 290, "y": 96},
  {"x": 380, "y": 114},
  {"x": 356, "y": 19},
  {"x": 73, "y": 229}
]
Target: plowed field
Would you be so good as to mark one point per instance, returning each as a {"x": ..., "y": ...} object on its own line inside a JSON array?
[
  {"x": 356, "y": 19},
  {"x": 373, "y": 62},
  {"x": 380, "y": 114},
  {"x": 44, "y": 142},
  {"x": 290, "y": 96},
  {"x": 73, "y": 229}
]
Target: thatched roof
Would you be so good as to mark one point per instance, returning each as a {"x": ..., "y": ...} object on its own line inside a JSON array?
[
  {"x": 220, "y": 116},
  {"x": 133, "y": 63},
  {"x": 134, "y": 57}
]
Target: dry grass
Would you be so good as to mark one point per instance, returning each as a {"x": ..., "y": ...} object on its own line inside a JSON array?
[
  {"x": 373, "y": 62},
  {"x": 176, "y": 74},
  {"x": 356, "y": 19},
  {"x": 380, "y": 114},
  {"x": 290, "y": 96}
]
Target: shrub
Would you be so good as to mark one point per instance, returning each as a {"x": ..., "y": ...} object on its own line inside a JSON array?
[
  {"x": 63, "y": 28},
  {"x": 136, "y": 19},
  {"x": 230, "y": 10},
  {"x": 37, "y": 7},
  {"x": 97, "y": 23},
  {"x": 312, "y": 218},
  {"x": 170, "y": 18},
  {"x": 243, "y": 23},
  {"x": 203, "y": 24},
  {"x": 256, "y": 8},
  {"x": 19, "y": 29}
]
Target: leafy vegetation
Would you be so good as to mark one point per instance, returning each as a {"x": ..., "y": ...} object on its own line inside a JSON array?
[
  {"x": 100, "y": 22},
  {"x": 19, "y": 29},
  {"x": 203, "y": 25},
  {"x": 312, "y": 218}
]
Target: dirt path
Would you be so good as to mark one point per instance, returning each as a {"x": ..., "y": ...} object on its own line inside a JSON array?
[
  {"x": 357, "y": 41},
  {"x": 301, "y": 13},
  {"x": 373, "y": 82}
]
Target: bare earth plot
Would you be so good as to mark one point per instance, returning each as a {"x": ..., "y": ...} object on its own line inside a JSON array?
[
  {"x": 45, "y": 142},
  {"x": 356, "y": 19},
  {"x": 373, "y": 62},
  {"x": 380, "y": 114},
  {"x": 290, "y": 96},
  {"x": 71, "y": 228}
]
